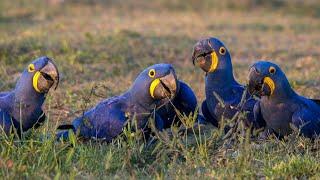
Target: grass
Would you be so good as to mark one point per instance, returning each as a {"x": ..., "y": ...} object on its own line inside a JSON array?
[{"x": 105, "y": 44}]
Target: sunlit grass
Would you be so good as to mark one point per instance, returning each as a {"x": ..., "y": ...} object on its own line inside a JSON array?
[{"x": 103, "y": 45}]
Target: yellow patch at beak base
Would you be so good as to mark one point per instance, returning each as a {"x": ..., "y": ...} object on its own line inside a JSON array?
[
  {"x": 35, "y": 81},
  {"x": 270, "y": 83},
  {"x": 153, "y": 86},
  {"x": 214, "y": 61}
]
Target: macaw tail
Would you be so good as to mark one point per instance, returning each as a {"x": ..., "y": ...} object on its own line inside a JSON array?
[
  {"x": 63, "y": 132},
  {"x": 317, "y": 101}
]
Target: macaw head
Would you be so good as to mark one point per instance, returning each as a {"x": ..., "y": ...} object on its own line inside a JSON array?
[
  {"x": 40, "y": 76},
  {"x": 156, "y": 82},
  {"x": 267, "y": 79},
  {"x": 211, "y": 55}
]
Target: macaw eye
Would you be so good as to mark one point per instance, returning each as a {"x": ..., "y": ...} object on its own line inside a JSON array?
[
  {"x": 222, "y": 50},
  {"x": 31, "y": 68},
  {"x": 152, "y": 73},
  {"x": 272, "y": 70}
]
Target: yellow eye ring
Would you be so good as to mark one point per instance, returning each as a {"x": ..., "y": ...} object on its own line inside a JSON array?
[
  {"x": 31, "y": 68},
  {"x": 222, "y": 50},
  {"x": 272, "y": 70},
  {"x": 152, "y": 73}
]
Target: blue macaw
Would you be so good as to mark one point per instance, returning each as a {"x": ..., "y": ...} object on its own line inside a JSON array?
[
  {"x": 212, "y": 56},
  {"x": 280, "y": 105},
  {"x": 21, "y": 108},
  {"x": 106, "y": 120}
]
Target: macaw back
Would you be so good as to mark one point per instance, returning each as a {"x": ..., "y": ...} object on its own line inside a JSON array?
[
  {"x": 298, "y": 111},
  {"x": 107, "y": 119}
]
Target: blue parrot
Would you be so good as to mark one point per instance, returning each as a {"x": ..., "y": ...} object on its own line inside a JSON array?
[
  {"x": 212, "y": 56},
  {"x": 106, "y": 120},
  {"x": 280, "y": 105},
  {"x": 21, "y": 108}
]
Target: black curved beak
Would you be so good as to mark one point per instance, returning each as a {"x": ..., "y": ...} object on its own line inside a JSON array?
[
  {"x": 201, "y": 55},
  {"x": 169, "y": 84},
  {"x": 256, "y": 84},
  {"x": 198, "y": 51},
  {"x": 165, "y": 87},
  {"x": 51, "y": 73}
]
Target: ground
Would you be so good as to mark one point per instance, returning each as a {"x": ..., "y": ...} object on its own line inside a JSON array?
[{"x": 103, "y": 45}]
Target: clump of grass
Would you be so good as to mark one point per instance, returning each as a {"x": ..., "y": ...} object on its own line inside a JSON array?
[{"x": 183, "y": 151}]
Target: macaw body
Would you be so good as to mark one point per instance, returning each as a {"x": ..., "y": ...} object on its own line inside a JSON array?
[
  {"x": 21, "y": 108},
  {"x": 21, "y": 115},
  {"x": 231, "y": 95},
  {"x": 213, "y": 57},
  {"x": 185, "y": 102},
  {"x": 107, "y": 119},
  {"x": 279, "y": 106},
  {"x": 297, "y": 110}
]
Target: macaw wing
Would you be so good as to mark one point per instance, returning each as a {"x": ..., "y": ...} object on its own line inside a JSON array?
[
  {"x": 5, "y": 122},
  {"x": 2, "y": 94},
  {"x": 105, "y": 121},
  {"x": 259, "y": 122},
  {"x": 106, "y": 129},
  {"x": 317, "y": 101},
  {"x": 207, "y": 115},
  {"x": 307, "y": 122},
  {"x": 159, "y": 123},
  {"x": 248, "y": 108},
  {"x": 185, "y": 100},
  {"x": 4, "y": 100}
]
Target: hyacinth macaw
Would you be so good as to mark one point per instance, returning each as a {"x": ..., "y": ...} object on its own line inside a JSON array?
[
  {"x": 21, "y": 108},
  {"x": 212, "y": 56},
  {"x": 280, "y": 105},
  {"x": 107, "y": 119}
]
